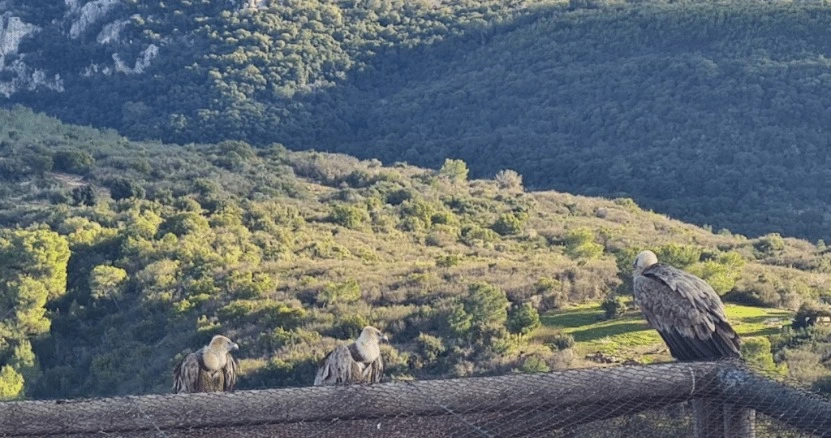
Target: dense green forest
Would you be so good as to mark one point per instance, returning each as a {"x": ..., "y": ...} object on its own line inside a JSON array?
[
  {"x": 714, "y": 113},
  {"x": 116, "y": 257}
]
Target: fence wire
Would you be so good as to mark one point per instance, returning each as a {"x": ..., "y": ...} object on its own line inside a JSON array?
[{"x": 706, "y": 399}]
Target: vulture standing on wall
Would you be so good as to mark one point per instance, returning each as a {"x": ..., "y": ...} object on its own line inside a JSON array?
[
  {"x": 358, "y": 362},
  {"x": 689, "y": 316},
  {"x": 209, "y": 369},
  {"x": 685, "y": 310}
]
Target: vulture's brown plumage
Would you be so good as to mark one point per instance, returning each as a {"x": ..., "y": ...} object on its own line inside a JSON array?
[
  {"x": 209, "y": 369},
  {"x": 358, "y": 362},
  {"x": 685, "y": 310},
  {"x": 689, "y": 316}
]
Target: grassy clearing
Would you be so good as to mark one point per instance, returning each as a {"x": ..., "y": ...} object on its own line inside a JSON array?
[{"x": 629, "y": 337}]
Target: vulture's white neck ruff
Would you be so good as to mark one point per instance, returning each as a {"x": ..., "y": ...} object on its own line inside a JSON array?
[
  {"x": 214, "y": 360},
  {"x": 368, "y": 348},
  {"x": 644, "y": 260}
]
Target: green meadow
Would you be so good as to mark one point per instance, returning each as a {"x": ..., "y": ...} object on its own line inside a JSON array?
[{"x": 629, "y": 336}]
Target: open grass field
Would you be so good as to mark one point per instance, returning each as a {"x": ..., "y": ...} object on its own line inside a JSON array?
[{"x": 629, "y": 337}]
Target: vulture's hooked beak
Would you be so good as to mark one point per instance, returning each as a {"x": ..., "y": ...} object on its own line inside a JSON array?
[
  {"x": 385, "y": 338},
  {"x": 234, "y": 346}
]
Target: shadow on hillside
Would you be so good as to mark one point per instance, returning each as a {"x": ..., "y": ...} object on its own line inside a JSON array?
[{"x": 572, "y": 318}]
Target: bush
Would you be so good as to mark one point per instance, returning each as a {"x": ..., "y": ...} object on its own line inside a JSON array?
[
  {"x": 756, "y": 352},
  {"x": 430, "y": 348},
  {"x": 77, "y": 162},
  {"x": 84, "y": 195},
  {"x": 473, "y": 235},
  {"x": 613, "y": 307},
  {"x": 808, "y": 315},
  {"x": 123, "y": 188},
  {"x": 346, "y": 292},
  {"x": 523, "y": 319},
  {"x": 769, "y": 244},
  {"x": 447, "y": 261},
  {"x": 184, "y": 223},
  {"x": 534, "y": 364},
  {"x": 509, "y": 180},
  {"x": 11, "y": 383},
  {"x": 562, "y": 341},
  {"x": 350, "y": 326},
  {"x": 454, "y": 170},
  {"x": 580, "y": 244},
  {"x": 679, "y": 256},
  {"x": 348, "y": 216},
  {"x": 508, "y": 224},
  {"x": 722, "y": 274}
]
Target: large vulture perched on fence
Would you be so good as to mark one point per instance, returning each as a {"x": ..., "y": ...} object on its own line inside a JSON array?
[
  {"x": 690, "y": 318},
  {"x": 685, "y": 310},
  {"x": 358, "y": 362},
  {"x": 209, "y": 369}
]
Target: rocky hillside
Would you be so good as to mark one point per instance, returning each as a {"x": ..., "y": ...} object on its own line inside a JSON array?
[{"x": 725, "y": 127}]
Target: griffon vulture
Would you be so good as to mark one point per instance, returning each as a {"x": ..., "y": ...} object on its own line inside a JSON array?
[
  {"x": 209, "y": 369},
  {"x": 689, "y": 316},
  {"x": 685, "y": 310},
  {"x": 358, "y": 362}
]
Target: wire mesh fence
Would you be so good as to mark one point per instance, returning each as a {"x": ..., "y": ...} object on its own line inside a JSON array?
[{"x": 706, "y": 399}]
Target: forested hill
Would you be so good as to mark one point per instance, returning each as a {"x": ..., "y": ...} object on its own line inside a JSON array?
[
  {"x": 715, "y": 113},
  {"x": 117, "y": 256}
]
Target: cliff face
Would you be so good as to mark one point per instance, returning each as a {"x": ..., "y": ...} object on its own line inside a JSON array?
[
  {"x": 36, "y": 34},
  {"x": 15, "y": 74},
  {"x": 21, "y": 38}
]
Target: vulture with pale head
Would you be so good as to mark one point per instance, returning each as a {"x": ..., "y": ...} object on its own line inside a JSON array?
[
  {"x": 358, "y": 362},
  {"x": 689, "y": 316},
  {"x": 209, "y": 369},
  {"x": 685, "y": 310}
]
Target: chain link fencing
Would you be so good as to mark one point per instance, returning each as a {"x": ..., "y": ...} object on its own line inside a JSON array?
[{"x": 704, "y": 399}]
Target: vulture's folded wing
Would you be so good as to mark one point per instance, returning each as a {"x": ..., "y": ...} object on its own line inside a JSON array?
[
  {"x": 687, "y": 312},
  {"x": 337, "y": 367},
  {"x": 230, "y": 372},
  {"x": 375, "y": 371},
  {"x": 186, "y": 374}
]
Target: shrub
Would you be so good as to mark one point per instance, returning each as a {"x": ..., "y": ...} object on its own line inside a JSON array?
[
  {"x": 679, "y": 256},
  {"x": 106, "y": 282},
  {"x": 77, "y": 162},
  {"x": 447, "y": 261},
  {"x": 534, "y": 364},
  {"x": 523, "y": 319},
  {"x": 580, "y": 244},
  {"x": 756, "y": 351},
  {"x": 613, "y": 307},
  {"x": 509, "y": 179},
  {"x": 562, "y": 341},
  {"x": 184, "y": 223},
  {"x": 346, "y": 292},
  {"x": 348, "y": 216},
  {"x": 508, "y": 224},
  {"x": 808, "y": 315},
  {"x": 769, "y": 244},
  {"x": 350, "y": 326},
  {"x": 11, "y": 383},
  {"x": 473, "y": 235},
  {"x": 123, "y": 188},
  {"x": 454, "y": 170},
  {"x": 722, "y": 274},
  {"x": 84, "y": 195},
  {"x": 430, "y": 348}
]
